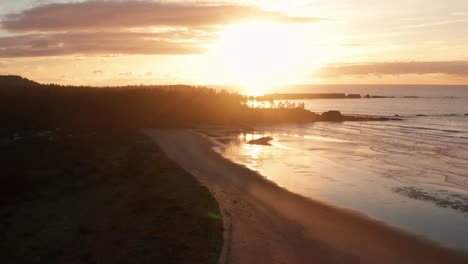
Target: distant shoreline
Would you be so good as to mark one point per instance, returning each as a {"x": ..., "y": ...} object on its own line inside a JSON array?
[{"x": 294, "y": 96}]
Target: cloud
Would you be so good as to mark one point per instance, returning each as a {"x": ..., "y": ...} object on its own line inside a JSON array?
[
  {"x": 454, "y": 68},
  {"x": 459, "y": 13},
  {"x": 105, "y": 15},
  {"x": 343, "y": 45},
  {"x": 438, "y": 23},
  {"x": 110, "y": 27},
  {"x": 100, "y": 43}
]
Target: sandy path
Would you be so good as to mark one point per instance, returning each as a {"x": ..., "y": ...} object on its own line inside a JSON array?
[{"x": 272, "y": 225}]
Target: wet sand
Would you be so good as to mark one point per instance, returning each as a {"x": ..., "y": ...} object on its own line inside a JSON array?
[{"x": 268, "y": 224}]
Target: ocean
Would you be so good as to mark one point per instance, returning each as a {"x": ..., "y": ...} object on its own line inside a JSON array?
[{"x": 411, "y": 174}]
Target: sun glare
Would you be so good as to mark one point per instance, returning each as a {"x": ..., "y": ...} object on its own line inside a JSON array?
[{"x": 257, "y": 55}]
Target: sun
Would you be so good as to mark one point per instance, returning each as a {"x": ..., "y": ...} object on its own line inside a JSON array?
[{"x": 257, "y": 55}]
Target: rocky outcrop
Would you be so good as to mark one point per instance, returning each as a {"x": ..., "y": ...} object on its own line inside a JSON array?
[
  {"x": 336, "y": 116},
  {"x": 332, "y": 116},
  {"x": 261, "y": 141}
]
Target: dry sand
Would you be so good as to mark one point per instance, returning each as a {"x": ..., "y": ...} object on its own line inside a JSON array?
[{"x": 269, "y": 224}]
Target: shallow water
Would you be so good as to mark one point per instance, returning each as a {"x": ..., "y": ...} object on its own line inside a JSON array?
[{"x": 412, "y": 174}]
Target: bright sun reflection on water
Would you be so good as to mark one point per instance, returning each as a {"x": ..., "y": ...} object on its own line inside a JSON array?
[
  {"x": 259, "y": 104},
  {"x": 253, "y": 152}
]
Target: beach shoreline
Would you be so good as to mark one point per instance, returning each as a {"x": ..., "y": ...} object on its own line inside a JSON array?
[{"x": 273, "y": 225}]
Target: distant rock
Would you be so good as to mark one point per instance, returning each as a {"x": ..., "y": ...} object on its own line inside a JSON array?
[
  {"x": 332, "y": 115},
  {"x": 420, "y": 115},
  {"x": 336, "y": 116},
  {"x": 379, "y": 96},
  {"x": 261, "y": 141},
  {"x": 410, "y": 96}
]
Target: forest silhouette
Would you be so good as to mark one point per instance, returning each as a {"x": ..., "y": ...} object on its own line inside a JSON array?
[{"x": 29, "y": 105}]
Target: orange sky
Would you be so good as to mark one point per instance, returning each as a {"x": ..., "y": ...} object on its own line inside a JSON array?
[{"x": 254, "y": 44}]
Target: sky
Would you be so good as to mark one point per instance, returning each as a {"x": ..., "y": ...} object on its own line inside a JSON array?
[{"x": 252, "y": 43}]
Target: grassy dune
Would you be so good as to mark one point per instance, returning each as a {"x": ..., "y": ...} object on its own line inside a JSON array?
[{"x": 101, "y": 197}]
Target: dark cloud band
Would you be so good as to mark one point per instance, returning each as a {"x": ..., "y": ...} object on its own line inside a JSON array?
[
  {"x": 98, "y": 43},
  {"x": 105, "y": 15}
]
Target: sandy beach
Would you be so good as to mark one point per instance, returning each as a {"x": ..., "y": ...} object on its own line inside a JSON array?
[{"x": 268, "y": 224}]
